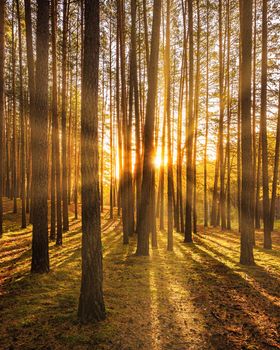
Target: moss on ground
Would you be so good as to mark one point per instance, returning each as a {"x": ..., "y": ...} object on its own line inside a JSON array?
[{"x": 197, "y": 297}]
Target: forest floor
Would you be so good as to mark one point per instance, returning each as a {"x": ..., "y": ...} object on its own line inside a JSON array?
[{"x": 197, "y": 297}]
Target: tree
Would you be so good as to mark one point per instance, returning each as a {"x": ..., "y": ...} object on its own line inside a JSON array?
[
  {"x": 196, "y": 115},
  {"x": 91, "y": 303},
  {"x": 247, "y": 191},
  {"x": 22, "y": 123},
  {"x": 221, "y": 120},
  {"x": 14, "y": 153},
  {"x": 189, "y": 140},
  {"x": 263, "y": 131},
  {"x": 2, "y": 60},
  {"x": 30, "y": 67},
  {"x": 276, "y": 167},
  {"x": 39, "y": 139},
  {"x": 147, "y": 172},
  {"x": 63, "y": 118},
  {"x": 126, "y": 179},
  {"x": 228, "y": 117},
  {"x": 207, "y": 120},
  {"x": 168, "y": 117},
  {"x": 55, "y": 131},
  {"x": 134, "y": 86}
]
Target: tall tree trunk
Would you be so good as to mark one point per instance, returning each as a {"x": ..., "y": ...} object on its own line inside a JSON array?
[
  {"x": 76, "y": 172},
  {"x": 2, "y": 61},
  {"x": 179, "y": 199},
  {"x": 189, "y": 141},
  {"x": 22, "y": 124},
  {"x": 134, "y": 78},
  {"x": 239, "y": 150},
  {"x": 69, "y": 143},
  {"x": 228, "y": 116},
  {"x": 55, "y": 127},
  {"x": 146, "y": 198},
  {"x": 39, "y": 129},
  {"x": 276, "y": 168},
  {"x": 102, "y": 139},
  {"x": 263, "y": 129},
  {"x": 8, "y": 151},
  {"x": 63, "y": 117},
  {"x": 254, "y": 105},
  {"x": 118, "y": 119},
  {"x": 247, "y": 191},
  {"x": 221, "y": 120},
  {"x": 126, "y": 188},
  {"x": 258, "y": 180},
  {"x": 111, "y": 126},
  {"x": 31, "y": 77},
  {"x": 169, "y": 146},
  {"x": 196, "y": 115},
  {"x": 14, "y": 156},
  {"x": 54, "y": 100},
  {"x": 205, "y": 190},
  {"x": 91, "y": 304},
  {"x": 161, "y": 176}
]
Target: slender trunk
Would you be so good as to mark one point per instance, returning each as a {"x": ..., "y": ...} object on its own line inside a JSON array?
[
  {"x": 76, "y": 130},
  {"x": 247, "y": 218},
  {"x": 266, "y": 217},
  {"x": 14, "y": 157},
  {"x": 276, "y": 168},
  {"x": 31, "y": 77},
  {"x": 258, "y": 180},
  {"x": 146, "y": 198},
  {"x": 196, "y": 116},
  {"x": 39, "y": 129},
  {"x": 91, "y": 303},
  {"x": 63, "y": 117},
  {"x": 119, "y": 121},
  {"x": 228, "y": 221},
  {"x": 168, "y": 117},
  {"x": 22, "y": 124},
  {"x": 221, "y": 120},
  {"x": 55, "y": 127},
  {"x": 254, "y": 105},
  {"x": 205, "y": 192},
  {"x": 189, "y": 141},
  {"x": 2, "y": 60},
  {"x": 111, "y": 125},
  {"x": 179, "y": 199},
  {"x": 102, "y": 141},
  {"x": 126, "y": 187},
  {"x": 136, "y": 107},
  {"x": 69, "y": 143}
]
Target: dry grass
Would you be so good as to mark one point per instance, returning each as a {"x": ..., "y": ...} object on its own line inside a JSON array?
[{"x": 198, "y": 297}]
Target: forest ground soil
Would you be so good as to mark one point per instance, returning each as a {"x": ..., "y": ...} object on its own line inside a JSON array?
[{"x": 196, "y": 297}]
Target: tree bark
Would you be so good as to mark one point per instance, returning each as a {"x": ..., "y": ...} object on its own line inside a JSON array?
[
  {"x": 205, "y": 191},
  {"x": 146, "y": 200},
  {"x": 63, "y": 118},
  {"x": 169, "y": 145},
  {"x": 2, "y": 116},
  {"x": 276, "y": 168},
  {"x": 39, "y": 129},
  {"x": 263, "y": 129},
  {"x": 221, "y": 121},
  {"x": 247, "y": 191},
  {"x": 91, "y": 304},
  {"x": 55, "y": 127},
  {"x": 189, "y": 141}
]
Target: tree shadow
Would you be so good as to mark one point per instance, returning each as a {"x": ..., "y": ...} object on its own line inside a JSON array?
[
  {"x": 265, "y": 279},
  {"x": 231, "y": 305}
]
